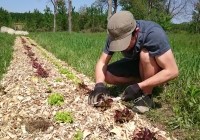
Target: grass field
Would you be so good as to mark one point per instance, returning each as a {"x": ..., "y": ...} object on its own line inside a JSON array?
[
  {"x": 180, "y": 98},
  {"x": 177, "y": 102},
  {"x": 6, "y": 43}
]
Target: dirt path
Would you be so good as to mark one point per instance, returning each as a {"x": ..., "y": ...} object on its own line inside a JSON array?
[{"x": 26, "y": 115}]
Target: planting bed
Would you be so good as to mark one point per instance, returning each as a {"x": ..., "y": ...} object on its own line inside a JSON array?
[{"x": 34, "y": 75}]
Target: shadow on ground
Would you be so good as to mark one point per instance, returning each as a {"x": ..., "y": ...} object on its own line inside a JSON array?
[
  {"x": 116, "y": 91},
  {"x": 157, "y": 91}
]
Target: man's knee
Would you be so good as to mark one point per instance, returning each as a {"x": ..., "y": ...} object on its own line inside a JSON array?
[
  {"x": 144, "y": 56},
  {"x": 148, "y": 62}
]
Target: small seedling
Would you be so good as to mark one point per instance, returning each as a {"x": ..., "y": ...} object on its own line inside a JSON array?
[
  {"x": 58, "y": 80},
  {"x": 78, "y": 135},
  {"x": 55, "y": 99},
  {"x": 64, "y": 117},
  {"x": 69, "y": 75}
]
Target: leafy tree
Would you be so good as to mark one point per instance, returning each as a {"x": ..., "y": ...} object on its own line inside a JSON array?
[
  {"x": 138, "y": 8},
  {"x": 108, "y": 5},
  {"x": 158, "y": 14},
  {"x": 77, "y": 22},
  {"x": 148, "y": 10},
  {"x": 96, "y": 19},
  {"x": 69, "y": 16},
  {"x": 35, "y": 21},
  {"x": 196, "y": 18},
  {"x": 5, "y": 18},
  {"x": 83, "y": 18},
  {"x": 61, "y": 16},
  {"x": 48, "y": 19}
]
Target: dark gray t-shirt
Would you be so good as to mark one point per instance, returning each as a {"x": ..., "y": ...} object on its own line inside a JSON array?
[{"x": 151, "y": 36}]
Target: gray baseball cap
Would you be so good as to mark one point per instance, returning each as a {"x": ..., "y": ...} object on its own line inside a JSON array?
[{"x": 120, "y": 27}]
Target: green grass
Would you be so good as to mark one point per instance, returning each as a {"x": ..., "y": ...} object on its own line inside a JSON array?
[
  {"x": 178, "y": 102},
  {"x": 6, "y": 49}
]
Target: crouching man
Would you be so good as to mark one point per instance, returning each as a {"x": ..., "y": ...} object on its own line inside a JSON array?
[{"x": 148, "y": 60}]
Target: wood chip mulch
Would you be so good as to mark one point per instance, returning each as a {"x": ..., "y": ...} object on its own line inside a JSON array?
[{"x": 25, "y": 113}]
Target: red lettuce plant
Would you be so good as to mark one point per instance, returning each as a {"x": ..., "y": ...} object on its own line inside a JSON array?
[
  {"x": 144, "y": 134},
  {"x": 26, "y": 47},
  {"x": 23, "y": 40},
  {"x": 42, "y": 72},
  {"x": 123, "y": 116},
  {"x": 35, "y": 64},
  {"x": 30, "y": 53}
]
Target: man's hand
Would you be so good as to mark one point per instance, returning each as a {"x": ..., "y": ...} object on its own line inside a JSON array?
[
  {"x": 98, "y": 92},
  {"x": 131, "y": 92}
]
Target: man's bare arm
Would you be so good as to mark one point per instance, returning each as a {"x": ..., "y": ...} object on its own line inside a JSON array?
[
  {"x": 101, "y": 67},
  {"x": 169, "y": 71}
]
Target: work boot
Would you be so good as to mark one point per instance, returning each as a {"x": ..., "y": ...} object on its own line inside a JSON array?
[{"x": 141, "y": 104}]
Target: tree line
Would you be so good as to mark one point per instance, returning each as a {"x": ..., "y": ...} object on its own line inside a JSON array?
[{"x": 94, "y": 18}]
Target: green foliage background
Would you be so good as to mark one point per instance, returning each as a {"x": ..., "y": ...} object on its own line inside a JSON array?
[{"x": 94, "y": 18}]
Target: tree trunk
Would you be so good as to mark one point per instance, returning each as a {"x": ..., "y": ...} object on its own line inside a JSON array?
[
  {"x": 54, "y": 21},
  {"x": 109, "y": 9},
  {"x": 115, "y": 6},
  {"x": 55, "y": 12},
  {"x": 69, "y": 16},
  {"x": 150, "y": 4}
]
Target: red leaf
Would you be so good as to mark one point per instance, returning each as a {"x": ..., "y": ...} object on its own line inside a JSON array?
[
  {"x": 123, "y": 116},
  {"x": 144, "y": 134}
]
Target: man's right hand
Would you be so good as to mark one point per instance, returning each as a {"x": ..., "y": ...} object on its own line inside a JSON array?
[
  {"x": 131, "y": 92},
  {"x": 98, "y": 92}
]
